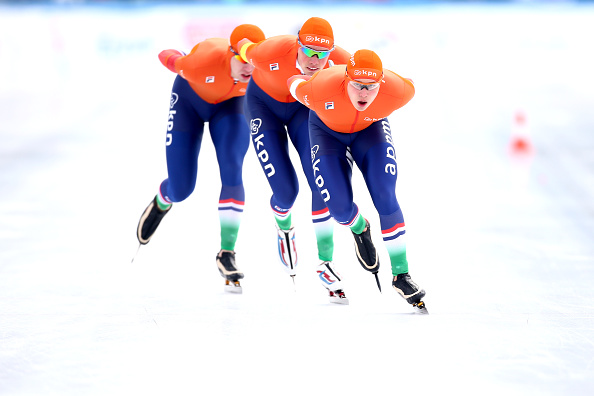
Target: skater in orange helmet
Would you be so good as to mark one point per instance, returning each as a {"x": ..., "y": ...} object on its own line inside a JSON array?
[
  {"x": 209, "y": 87},
  {"x": 276, "y": 118},
  {"x": 349, "y": 106}
]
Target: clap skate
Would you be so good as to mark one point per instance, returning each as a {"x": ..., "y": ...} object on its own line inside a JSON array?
[
  {"x": 331, "y": 280},
  {"x": 229, "y": 271},
  {"x": 286, "y": 250},
  {"x": 366, "y": 253},
  {"x": 149, "y": 221},
  {"x": 409, "y": 290}
]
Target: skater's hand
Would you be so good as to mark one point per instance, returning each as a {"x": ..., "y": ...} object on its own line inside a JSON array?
[
  {"x": 168, "y": 58},
  {"x": 294, "y": 81}
]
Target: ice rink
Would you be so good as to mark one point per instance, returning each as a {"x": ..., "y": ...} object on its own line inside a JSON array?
[{"x": 502, "y": 241}]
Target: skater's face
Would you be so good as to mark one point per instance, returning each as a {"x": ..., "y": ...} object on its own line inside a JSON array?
[
  {"x": 240, "y": 70},
  {"x": 312, "y": 58},
  {"x": 362, "y": 92}
]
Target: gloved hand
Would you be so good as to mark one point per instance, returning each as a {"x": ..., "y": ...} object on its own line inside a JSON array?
[{"x": 168, "y": 58}]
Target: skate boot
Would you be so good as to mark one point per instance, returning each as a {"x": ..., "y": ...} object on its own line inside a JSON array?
[
  {"x": 286, "y": 250},
  {"x": 229, "y": 271},
  {"x": 366, "y": 253},
  {"x": 409, "y": 290},
  {"x": 149, "y": 221},
  {"x": 330, "y": 279}
]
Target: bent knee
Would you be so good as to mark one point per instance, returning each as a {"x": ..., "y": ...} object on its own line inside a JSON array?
[{"x": 179, "y": 193}]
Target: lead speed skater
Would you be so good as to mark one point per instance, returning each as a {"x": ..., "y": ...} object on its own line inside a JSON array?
[{"x": 349, "y": 105}]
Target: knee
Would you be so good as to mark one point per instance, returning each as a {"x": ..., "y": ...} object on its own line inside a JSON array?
[
  {"x": 342, "y": 213},
  {"x": 385, "y": 202},
  {"x": 178, "y": 193},
  {"x": 231, "y": 172},
  {"x": 285, "y": 197}
]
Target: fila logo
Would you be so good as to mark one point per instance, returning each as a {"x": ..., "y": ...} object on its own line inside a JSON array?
[
  {"x": 209, "y": 79},
  {"x": 373, "y": 119},
  {"x": 329, "y": 105},
  {"x": 305, "y": 100},
  {"x": 274, "y": 66}
]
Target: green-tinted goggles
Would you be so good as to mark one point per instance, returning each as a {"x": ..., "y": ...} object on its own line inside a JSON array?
[{"x": 311, "y": 52}]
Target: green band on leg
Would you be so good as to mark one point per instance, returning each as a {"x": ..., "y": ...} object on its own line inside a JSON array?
[
  {"x": 359, "y": 224},
  {"x": 284, "y": 224},
  {"x": 229, "y": 236},
  {"x": 162, "y": 204},
  {"x": 399, "y": 263},
  {"x": 325, "y": 246}
]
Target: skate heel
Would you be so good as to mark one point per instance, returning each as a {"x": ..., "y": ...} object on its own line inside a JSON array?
[
  {"x": 233, "y": 286},
  {"x": 338, "y": 297},
  {"x": 420, "y": 308},
  {"x": 409, "y": 290},
  {"x": 227, "y": 267}
]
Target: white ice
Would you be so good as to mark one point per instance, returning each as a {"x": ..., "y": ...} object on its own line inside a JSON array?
[{"x": 503, "y": 245}]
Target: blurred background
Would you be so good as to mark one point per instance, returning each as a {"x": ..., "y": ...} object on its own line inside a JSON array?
[{"x": 496, "y": 181}]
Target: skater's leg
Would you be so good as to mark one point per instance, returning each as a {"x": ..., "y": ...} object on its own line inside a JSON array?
[{"x": 230, "y": 136}]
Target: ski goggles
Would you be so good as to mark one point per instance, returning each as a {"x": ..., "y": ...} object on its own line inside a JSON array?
[
  {"x": 237, "y": 56},
  {"x": 360, "y": 86},
  {"x": 311, "y": 52}
]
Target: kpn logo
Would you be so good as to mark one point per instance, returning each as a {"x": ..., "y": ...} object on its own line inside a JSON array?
[
  {"x": 364, "y": 73},
  {"x": 316, "y": 39}
]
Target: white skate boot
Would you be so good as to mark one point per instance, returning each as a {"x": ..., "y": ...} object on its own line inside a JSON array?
[
  {"x": 331, "y": 280},
  {"x": 286, "y": 250}
]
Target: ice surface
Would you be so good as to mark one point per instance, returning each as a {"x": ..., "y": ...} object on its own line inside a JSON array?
[{"x": 503, "y": 244}]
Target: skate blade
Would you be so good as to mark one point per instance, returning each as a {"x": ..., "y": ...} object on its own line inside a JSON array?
[
  {"x": 339, "y": 300},
  {"x": 420, "y": 308},
  {"x": 233, "y": 287},
  {"x": 338, "y": 297}
]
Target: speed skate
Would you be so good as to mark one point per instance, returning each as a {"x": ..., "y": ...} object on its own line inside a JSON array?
[{"x": 229, "y": 271}]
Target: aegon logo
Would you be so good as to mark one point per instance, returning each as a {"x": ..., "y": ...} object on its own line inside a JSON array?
[
  {"x": 390, "y": 152},
  {"x": 315, "y": 39},
  {"x": 319, "y": 178},
  {"x": 259, "y": 145}
]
